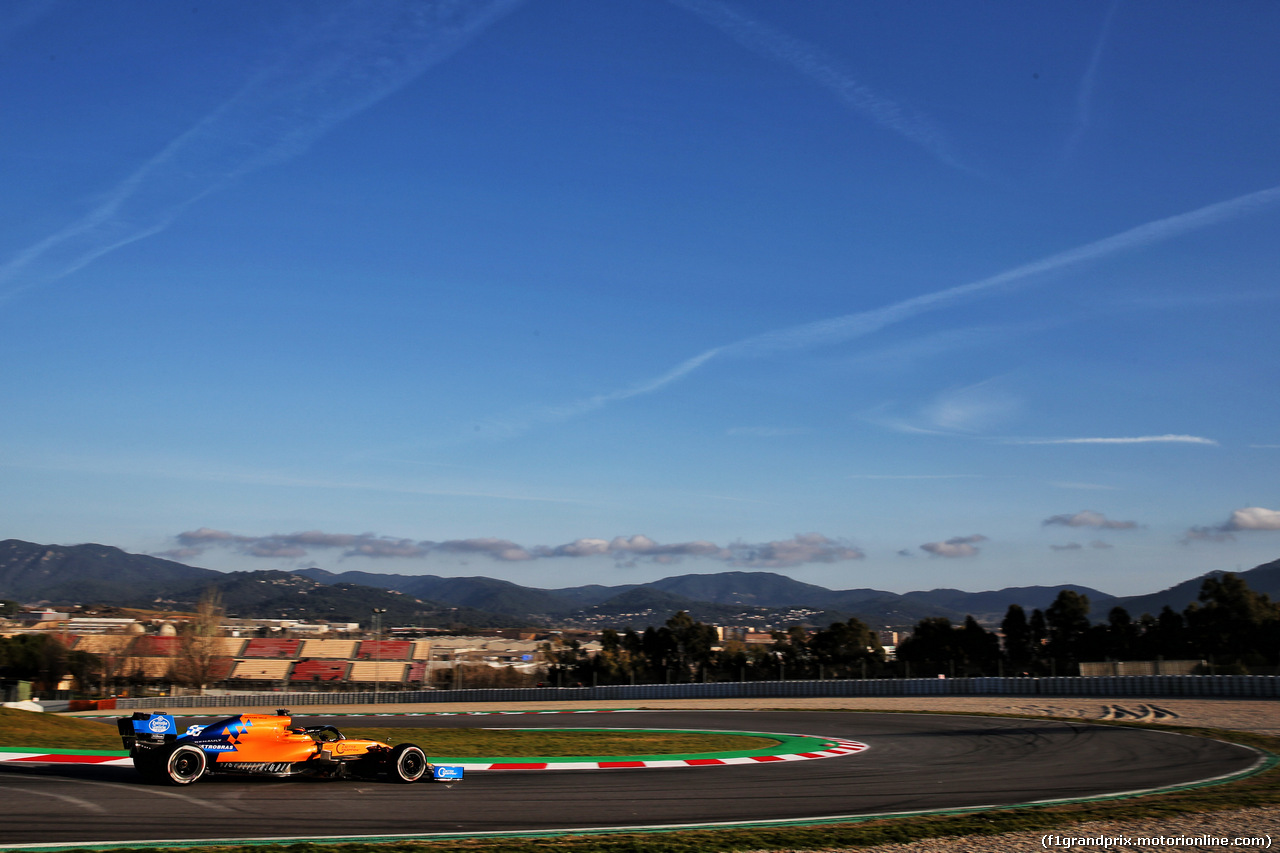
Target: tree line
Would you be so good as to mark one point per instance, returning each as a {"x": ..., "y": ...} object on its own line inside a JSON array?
[
  {"x": 1230, "y": 627},
  {"x": 685, "y": 650}
]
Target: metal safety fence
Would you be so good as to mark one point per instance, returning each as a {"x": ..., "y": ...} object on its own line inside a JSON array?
[{"x": 1207, "y": 686}]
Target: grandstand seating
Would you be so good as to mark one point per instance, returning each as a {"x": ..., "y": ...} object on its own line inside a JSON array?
[
  {"x": 327, "y": 662},
  {"x": 228, "y": 646},
  {"x": 104, "y": 644},
  {"x": 261, "y": 670},
  {"x": 329, "y": 649},
  {"x": 271, "y": 648},
  {"x": 389, "y": 672},
  {"x": 148, "y": 667},
  {"x": 220, "y": 669},
  {"x": 153, "y": 646},
  {"x": 385, "y": 650},
  {"x": 319, "y": 670}
]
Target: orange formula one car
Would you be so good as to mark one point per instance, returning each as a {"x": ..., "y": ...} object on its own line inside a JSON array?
[{"x": 267, "y": 745}]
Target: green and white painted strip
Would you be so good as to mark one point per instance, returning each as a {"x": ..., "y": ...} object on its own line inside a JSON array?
[{"x": 789, "y": 748}]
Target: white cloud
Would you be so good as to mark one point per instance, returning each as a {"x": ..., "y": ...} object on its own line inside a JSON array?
[
  {"x": 1253, "y": 518},
  {"x": 581, "y": 548},
  {"x": 208, "y": 535},
  {"x": 497, "y": 549},
  {"x": 1140, "y": 439},
  {"x": 644, "y": 546},
  {"x": 1089, "y": 518},
  {"x": 1206, "y": 534},
  {"x": 799, "y": 550},
  {"x": 977, "y": 407},
  {"x": 958, "y": 546}
]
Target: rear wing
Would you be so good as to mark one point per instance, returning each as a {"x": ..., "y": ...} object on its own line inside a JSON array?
[{"x": 148, "y": 729}]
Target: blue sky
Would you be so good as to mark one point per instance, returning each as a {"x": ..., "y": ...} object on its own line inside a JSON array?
[{"x": 598, "y": 292}]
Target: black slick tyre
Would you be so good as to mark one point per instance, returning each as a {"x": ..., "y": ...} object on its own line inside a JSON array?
[
  {"x": 407, "y": 763},
  {"x": 184, "y": 765}
]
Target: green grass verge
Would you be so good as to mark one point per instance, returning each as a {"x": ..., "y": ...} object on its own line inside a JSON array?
[
  {"x": 1259, "y": 789},
  {"x": 526, "y": 743},
  {"x": 48, "y": 731},
  {"x": 32, "y": 728}
]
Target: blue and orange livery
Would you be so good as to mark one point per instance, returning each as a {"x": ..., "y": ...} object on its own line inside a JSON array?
[{"x": 267, "y": 745}]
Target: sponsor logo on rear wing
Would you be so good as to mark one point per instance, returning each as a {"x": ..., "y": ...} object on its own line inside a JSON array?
[{"x": 146, "y": 729}]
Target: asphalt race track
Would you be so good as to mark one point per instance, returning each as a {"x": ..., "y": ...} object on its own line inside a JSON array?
[{"x": 914, "y": 763}]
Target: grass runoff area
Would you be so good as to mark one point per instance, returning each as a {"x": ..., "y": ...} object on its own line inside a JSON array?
[
  {"x": 1260, "y": 789},
  {"x": 33, "y": 729}
]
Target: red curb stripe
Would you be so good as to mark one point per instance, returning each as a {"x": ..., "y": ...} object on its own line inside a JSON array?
[
  {"x": 605, "y": 764},
  {"x": 518, "y": 766},
  {"x": 701, "y": 762},
  {"x": 69, "y": 759},
  {"x": 767, "y": 758}
]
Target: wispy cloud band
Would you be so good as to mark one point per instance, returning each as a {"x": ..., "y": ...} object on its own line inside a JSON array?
[
  {"x": 824, "y": 70},
  {"x": 800, "y": 549},
  {"x": 358, "y": 55},
  {"x": 847, "y": 327},
  {"x": 1137, "y": 439}
]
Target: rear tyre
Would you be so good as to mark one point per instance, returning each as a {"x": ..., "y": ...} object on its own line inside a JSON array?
[
  {"x": 184, "y": 765},
  {"x": 408, "y": 763}
]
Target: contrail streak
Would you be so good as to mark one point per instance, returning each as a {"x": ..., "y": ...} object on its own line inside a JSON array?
[
  {"x": 826, "y": 71},
  {"x": 850, "y": 326},
  {"x": 1084, "y": 95},
  {"x": 358, "y": 56}
]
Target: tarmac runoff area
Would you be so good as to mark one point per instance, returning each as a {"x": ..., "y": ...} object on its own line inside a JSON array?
[{"x": 1251, "y": 827}]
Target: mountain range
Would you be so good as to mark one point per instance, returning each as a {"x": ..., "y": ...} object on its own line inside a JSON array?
[{"x": 103, "y": 575}]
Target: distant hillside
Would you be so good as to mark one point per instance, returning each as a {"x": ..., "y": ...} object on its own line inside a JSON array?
[
  {"x": 992, "y": 605},
  {"x": 1264, "y": 578},
  {"x": 728, "y": 597},
  {"x": 103, "y": 575},
  {"x": 91, "y": 574},
  {"x": 760, "y": 589},
  {"x": 496, "y": 596},
  {"x": 285, "y": 595}
]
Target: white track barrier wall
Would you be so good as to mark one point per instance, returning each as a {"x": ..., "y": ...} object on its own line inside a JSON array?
[{"x": 1208, "y": 686}]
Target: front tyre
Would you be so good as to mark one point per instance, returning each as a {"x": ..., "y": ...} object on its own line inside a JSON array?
[
  {"x": 184, "y": 765},
  {"x": 408, "y": 763}
]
